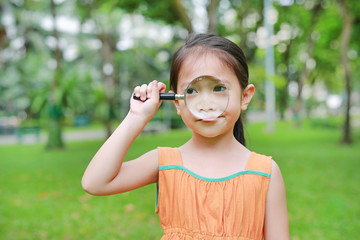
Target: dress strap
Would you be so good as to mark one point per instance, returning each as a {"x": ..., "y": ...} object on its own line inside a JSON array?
[
  {"x": 258, "y": 162},
  {"x": 169, "y": 156}
]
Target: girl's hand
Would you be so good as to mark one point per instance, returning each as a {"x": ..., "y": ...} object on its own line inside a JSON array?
[
  {"x": 107, "y": 173},
  {"x": 149, "y": 101}
]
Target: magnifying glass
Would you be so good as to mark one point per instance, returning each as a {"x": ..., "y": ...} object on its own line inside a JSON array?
[{"x": 206, "y": 97}]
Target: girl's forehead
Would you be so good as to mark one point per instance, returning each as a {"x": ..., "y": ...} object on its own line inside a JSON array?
[{"x": 199, "y": 64}]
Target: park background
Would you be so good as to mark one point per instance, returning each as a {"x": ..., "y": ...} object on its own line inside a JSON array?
[{"x": 67, "y": 71}]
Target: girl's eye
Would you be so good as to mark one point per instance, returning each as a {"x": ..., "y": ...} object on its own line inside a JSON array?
[
  {"x": 190, "y": 91},
  {"x": 219, "y": 88}
]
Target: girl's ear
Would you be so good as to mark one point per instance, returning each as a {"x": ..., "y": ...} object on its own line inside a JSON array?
[
  {"x": 248, "y": 93},
  {"x": 176, "y": 103}
]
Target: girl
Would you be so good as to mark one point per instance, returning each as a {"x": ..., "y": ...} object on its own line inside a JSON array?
[{"x": 212, "y": 187}]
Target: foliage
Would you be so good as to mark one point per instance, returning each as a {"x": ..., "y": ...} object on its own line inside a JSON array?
[
  {"x": 71, "y": 92},
  {"x": 136, "y": 39}
]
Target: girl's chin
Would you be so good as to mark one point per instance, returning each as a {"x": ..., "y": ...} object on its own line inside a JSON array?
[{"x": 209, "y": 133}]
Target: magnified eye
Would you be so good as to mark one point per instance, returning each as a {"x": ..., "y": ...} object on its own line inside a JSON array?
[
  {"x": 219, "y": 88},
  {"x": 191, "y": 91}
]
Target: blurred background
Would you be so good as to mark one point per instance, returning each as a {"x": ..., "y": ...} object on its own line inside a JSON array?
[{"x": 68, "y": 69}]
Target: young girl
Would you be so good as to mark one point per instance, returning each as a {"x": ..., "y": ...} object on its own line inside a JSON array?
[{"x": 212, "y": 187}]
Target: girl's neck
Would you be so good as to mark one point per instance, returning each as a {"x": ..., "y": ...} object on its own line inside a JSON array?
[
  {"x": 214, "y": 157},
  {"x": 218, "y": 143}
]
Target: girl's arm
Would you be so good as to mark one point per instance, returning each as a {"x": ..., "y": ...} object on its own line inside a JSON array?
[
  {"x": 276, "y": 216},
  {"x": 106, "y": 173}
]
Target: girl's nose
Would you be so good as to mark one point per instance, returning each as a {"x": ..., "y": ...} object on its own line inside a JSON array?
[
  {"x": 206, "y": 103},
  {"x": 206, "y": 107}
]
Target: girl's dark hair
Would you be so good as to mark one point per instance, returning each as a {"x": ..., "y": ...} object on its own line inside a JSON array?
[{"x": 227, "y": 51}]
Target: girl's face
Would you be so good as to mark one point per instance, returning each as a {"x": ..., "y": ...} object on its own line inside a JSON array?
[{"x": 196, "y": 65}]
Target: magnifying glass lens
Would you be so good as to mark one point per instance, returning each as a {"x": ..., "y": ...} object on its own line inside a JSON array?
[{"x": 206, "y": 97}]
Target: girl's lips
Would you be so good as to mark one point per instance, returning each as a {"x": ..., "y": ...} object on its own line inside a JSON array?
[{"x": 208, "y": 120}]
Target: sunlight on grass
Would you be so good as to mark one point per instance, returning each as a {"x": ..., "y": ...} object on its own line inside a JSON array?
[{"x": 41, "y": 195}]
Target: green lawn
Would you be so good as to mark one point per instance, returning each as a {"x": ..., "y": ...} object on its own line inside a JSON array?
[{"x": 41, "y": 196}]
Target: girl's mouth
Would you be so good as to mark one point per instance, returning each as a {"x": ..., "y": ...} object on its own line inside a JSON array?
[{"x": 209, "y": 120}]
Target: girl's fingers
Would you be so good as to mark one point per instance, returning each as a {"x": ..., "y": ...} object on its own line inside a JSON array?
[
  {"x": 148, "y": 90},
  {"x": 143, "y": 92},
  {"x": 162, "y": 87},
  {"x": 152, "y": 90},
  {"x": 155, "y": 90},
  {"x": 137, "y": 91},
  {"x": 157, "y": 87}
]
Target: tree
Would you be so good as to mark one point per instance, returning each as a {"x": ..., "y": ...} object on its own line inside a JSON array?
[
  {"x": 103, "y": 14},
  {"x": 172, "y": 12},
  {"x": 3, "y": 37},
  {"x": 55, "y": 107},
  {"x": 315, "y": 12},
  {"x": 212, "y": 16},
  {"x": 43, "y": 82},
  {"x": 241, "y": 21},
  {"x": 296, "y": 33},
  {"x": 345, "y": 40},
  {"x": 19, "y": 63}
]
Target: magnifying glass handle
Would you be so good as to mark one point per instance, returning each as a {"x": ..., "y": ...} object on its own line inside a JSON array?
[{"x": 165, "y": 96}]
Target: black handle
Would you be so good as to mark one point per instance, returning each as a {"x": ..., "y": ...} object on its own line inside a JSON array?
[
  {"x": 163, "y": 96},
  {"x": 167, "y": 96}
]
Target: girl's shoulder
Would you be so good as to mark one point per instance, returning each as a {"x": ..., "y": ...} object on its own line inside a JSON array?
[
  {"x": 269, "y": 163},
  {"x": 265, "y": 164},
  {"x": 169, "y": 156},
  {"x": 259, "y": 162}
]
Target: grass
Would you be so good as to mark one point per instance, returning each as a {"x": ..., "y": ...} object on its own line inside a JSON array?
[
  {"x": 321, "y": 178},
  {"x": 41, "y": 195}
]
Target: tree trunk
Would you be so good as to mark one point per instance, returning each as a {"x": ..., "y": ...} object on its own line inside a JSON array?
[
  {"x": 212, "y": 16},
  {"x": 299, "y": 108},
  {"x": 345, "y": 39},
  {"x": 3, "y": 37},
  {"x": 242, "y": 12},
  {"x": 3, "y": 40},
  {"x": 109, "y": 129},
  {"x": 283, "y": 98},
  {"x": 182, "y": 13},
  {"x": 107, "y": 52},
  {"x": 55, "y": 140},
  {"x": 55, "y": 109}
]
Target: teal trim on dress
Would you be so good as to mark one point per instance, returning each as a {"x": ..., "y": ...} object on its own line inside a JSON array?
[
  {"x": 157, "y": 196},
  {"x": 213, "y": 179}
]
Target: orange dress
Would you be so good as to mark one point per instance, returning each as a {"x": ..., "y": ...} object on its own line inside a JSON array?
[{"x": 195, "y": 207}]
